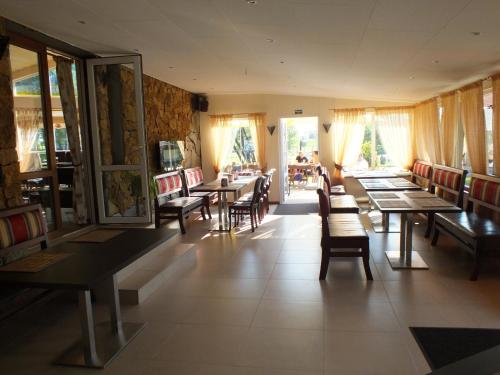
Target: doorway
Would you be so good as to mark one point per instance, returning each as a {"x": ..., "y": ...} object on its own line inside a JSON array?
[{"x": 299, "y": 156}]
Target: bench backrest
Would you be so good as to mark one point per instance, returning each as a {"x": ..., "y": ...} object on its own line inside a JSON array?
[
  {"x": 168, "y": 184},
  {"x": 193, "y": 176},
  {"x": 484, "y": 195},
  {"x": 449, "y": 183},
  {"x": 324, "y": 204},
  {"x": 21, "y": 228},
  {"x": 421, "y": 172}
]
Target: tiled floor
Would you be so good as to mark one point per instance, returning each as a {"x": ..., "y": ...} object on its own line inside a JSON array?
[{"x": 251, "y": 304}]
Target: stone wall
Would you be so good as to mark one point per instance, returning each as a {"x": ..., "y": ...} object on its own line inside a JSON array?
[
  {"x": 10, "y": 187},
  {"x": 169, "y": 117}
]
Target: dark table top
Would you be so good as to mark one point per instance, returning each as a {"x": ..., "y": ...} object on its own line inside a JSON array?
[
  {"x": 411, "y": 204},
  {"x": 236, "y": 185},
  {"x": 388, "y": 184},
  {"x": 91, "y": 263}
]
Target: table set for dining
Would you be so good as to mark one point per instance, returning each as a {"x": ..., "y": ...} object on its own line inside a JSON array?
[{"x": 399, "y": 195}]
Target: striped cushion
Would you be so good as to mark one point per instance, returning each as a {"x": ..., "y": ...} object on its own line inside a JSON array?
[
  {"x": 169, "y": 184},
  {"x": 21, "y": 227},
  {"x": 422, "y": 170},
  {"x": 486, "y": 191},
  {"x": 448, "y": 179},
  {"x": 194, "y": 176}
]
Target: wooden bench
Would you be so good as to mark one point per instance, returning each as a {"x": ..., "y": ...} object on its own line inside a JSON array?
[
  {"x": 170, "y": 201},
  {"x": 477, "y": 229},
  {"x": 23, "y": 231},
  {"x": 421, "y": 173},
  {"x": 341, "y": 231},
  {"x": 447, "y": 183},
  {"x": 338, "y": 203},
  {"x": 334, "y": 190},
  {"x": 193, "y": 178}
]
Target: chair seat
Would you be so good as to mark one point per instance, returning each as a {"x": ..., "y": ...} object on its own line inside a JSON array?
[
  {"x": 241, "y": 204},
  {"x": 201, "y": 194},
  {"x": 337, "y": 190},
  {"x": 343, "y": 204},
  {"x": 182, "y": 202},
  {"x": 470, "y": 223},
  {"x": 346, "y": 226}
]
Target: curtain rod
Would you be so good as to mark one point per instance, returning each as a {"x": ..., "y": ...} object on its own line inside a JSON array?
[
  {"x": 238, "y": 114},
  {"x": 375, "y": 108}
]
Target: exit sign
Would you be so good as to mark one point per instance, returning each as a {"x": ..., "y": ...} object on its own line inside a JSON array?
[{"x": 298, "y": 111}]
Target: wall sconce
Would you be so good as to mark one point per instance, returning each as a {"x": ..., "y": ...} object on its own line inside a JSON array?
[
  {"x": 327, "y": 127},
  {"x": 4, "y": 41},
  {"x": 271, "y": 129}
]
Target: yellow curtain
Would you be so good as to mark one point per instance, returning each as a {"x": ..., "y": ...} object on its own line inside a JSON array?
[
  {"x": 28, "y": 121},
  {"x": 348, "y": 130},
  {"x": 496, "y": 124},
  {"x": 471, "y": 105},
  {"x": 451, "y": 134},
  {"x": 222, "y": 139},
  {"x": 426, "y": 128},
  {"x": 395, "y": 126},
  {"x": 257, "y": 126}
]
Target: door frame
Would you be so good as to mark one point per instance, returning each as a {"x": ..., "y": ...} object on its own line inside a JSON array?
[{"x": 143, "y": 169}]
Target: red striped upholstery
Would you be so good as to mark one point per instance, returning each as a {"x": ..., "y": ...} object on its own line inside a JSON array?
[
  {"x": 486, "y": 191},
  {"x": 168, "y": 184},
  {"x": 448, "y": 179},
  {"x": 194, "y": 176},
  {"x": 422, "y": 170},
  {"x": 21, "y": 227}
]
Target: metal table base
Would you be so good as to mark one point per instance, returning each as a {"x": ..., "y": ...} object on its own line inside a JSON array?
[
  {"x": 381, "y": 223},
  {"x": 406, "y": 258},
  {"x": 222, "y": 224},
  {"x": 98, "y": 347}
]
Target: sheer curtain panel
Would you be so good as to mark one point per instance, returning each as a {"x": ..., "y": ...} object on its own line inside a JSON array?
[
  {"x": 496, "y": 124},
  {"x": 451, "y": 134},
  {"x": 426, "y": 134},
  {"x": 222, "y": 139},
  {"x": 256, "y": 122}
]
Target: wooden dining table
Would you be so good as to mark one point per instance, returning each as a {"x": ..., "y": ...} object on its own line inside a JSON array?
[
  {"x": 406, "y": 204},
  {"x": 234, "y": 187}
]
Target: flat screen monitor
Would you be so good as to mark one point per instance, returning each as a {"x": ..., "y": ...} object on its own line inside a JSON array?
[{"x": 171, "y": 155}]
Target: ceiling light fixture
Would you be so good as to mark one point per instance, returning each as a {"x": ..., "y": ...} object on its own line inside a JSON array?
[
  {"x": 435, "y": 61},
  {"x": 252, "y": 2},
  {"x": 82, "y": 22},
  {"x": 412, "y": 77},
  {"x": 282, "y": 62},
  {"x": 195, "y": 79},
  {"x": 476, "y": 33},
  {"x": 269, "y": 40},
  {"x": 171, "y": 67}
]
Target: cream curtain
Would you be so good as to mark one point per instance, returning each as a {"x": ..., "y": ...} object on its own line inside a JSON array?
[
  {"x": 471, "y": 105},
  {"x": 395, "y": 126},
  {"x": 426, "y": 132},
  {"x": 348, "y": 129},
  {"x": 223, "y": 136},
  {"x": 28, "y": 121},
  {"x": 451, "y": 134},
  {"x": 496, "y": 124},
  {"x": 70, "y": 113},
  {"x": 257, "y": 126}
]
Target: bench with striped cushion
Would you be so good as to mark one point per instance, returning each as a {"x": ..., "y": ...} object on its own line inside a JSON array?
[
  {"x": 421, "y": 173},
  {"x": 21, "y": 228},
  {"x": 194, "y": 178},
  {"x": 172, "y": 201},
  {"x": 478, "y": 228}
]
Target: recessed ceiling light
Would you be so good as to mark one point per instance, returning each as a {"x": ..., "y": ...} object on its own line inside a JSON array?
[
  {"x": 194, "y": 79},
  {"x": 282, "y": 62},
  {"x": 136, "y": 50},
  {"x": 411, "y": 77},
  {"x": 269, "y": 40},
  {"x": 476, "y": 33},
  {"x": 435, "y": 61},
  {"x": 252, "y": 2},
  {"x": 171, "y": 67},
  {"x": 82, "y": 22}
]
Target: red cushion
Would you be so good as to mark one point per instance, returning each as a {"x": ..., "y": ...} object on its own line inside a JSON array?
[
  {"x": 21, "y": 227},
  {"x": 448, "y": 179},
  {"x": 194, "y": 176},
  {"x": 486, "y": 191},
  {"x": 422, "y": 170},
  {"x": 169, "y": 184}
]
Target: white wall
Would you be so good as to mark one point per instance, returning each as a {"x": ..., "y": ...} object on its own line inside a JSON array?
[{"x": 276, "y": 107}]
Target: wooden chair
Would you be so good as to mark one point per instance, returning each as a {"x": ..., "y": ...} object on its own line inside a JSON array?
[
  {"x": 338, "y": 203},
  {"x": 341, "y": 231},
  {"x": 248, "y": 205},
  {"x": 477, "y": 229},
  {"x": 334, "y": 190},
  {"x": 447, "y": 183}
]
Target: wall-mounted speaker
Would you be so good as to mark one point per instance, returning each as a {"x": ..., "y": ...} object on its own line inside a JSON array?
[
  {"x": 199, "y": 103},
  {"x": 4, "y": 42}
]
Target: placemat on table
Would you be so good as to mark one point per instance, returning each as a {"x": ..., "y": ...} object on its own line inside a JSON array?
[
  {"x": 397, "y": 203},
  {"x": 419, "y": 195},
  {"x": 98, "y": 235},
  {"x": 34, "y": 262},
  {"x": 374, "y": 186},
  {"x": 434, "y": 202},
  {"x": 403, "y": 184},
  {"x": 384, "y": 196}
]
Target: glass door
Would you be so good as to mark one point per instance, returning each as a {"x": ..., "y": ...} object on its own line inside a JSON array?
[
  {"x": 283, "y": 161},
  {"x": 118, "y": 137}
]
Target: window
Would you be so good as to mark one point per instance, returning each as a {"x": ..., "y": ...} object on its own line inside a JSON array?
[{"x": 243, "y": 150}]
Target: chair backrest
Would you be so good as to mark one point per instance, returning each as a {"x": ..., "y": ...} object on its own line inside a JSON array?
[
  {"x": 324, "y": 204},
  {"x": 484, "y": 195},
  {"x": 421, "y": 172},
  {"x": 21, "y": 228},
  {"x": 258, "y": 189},
  {"x": 168, "y": 184},
  {"x": 448, "y": 181},
  {"x": 328, "y": 185},
  {"x": 193, "y": 176}
]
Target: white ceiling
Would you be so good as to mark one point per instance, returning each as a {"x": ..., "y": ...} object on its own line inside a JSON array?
[{"x": 363, "y": 49}]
